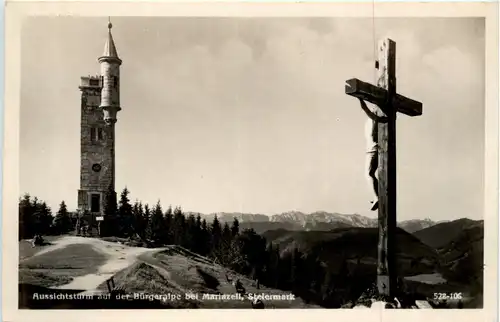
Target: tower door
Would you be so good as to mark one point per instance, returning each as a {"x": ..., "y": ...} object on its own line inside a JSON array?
[{"x": 95, "y": 202}]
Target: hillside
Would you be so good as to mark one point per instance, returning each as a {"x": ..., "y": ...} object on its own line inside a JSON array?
[
  {"x": 356, "y": 246},
  {"x": 439, "y": 235},
  {"x": 463, "y": 257}
]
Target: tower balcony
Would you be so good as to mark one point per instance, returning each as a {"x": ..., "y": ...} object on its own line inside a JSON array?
[
  {"x": 91, "y": 82},
  {"x": 110, "y": 114}
]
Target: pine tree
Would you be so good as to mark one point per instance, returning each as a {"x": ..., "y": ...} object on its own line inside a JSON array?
[
  {"x": 235, "y": 228},
  {"x": 294, "y": 274},
  {"x": 158, "y": 224},
  {"x": 190, "y": 233},
  {"x": 169, "y": 226},
  {"x": 35, "y": 217},
  {"x": 179, "y": 226},
  {"x": 226, "y": 250},
  {"x": 298, "y": 278},
  {"x": 148, "y": 216},
  {"x": 110, "y": 226},
  {"x": 277, "y": 265},
  {"x": 205, "y": 238},
  {"x": 126, "y": 218},
  {"x": 198, "y": 236},
  {"x": 216, "y": 232},
  {"x": 43, "y": 218},
  {"x": 285, "y": 271},
  {"x": 140, "y": 221},
  {"x": 62, "y": 222},
  {"x": 227, "y": 236},
  {"x": 26, "y": 218}
]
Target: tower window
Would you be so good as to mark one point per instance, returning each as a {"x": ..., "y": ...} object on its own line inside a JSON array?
[
  {"x": 96, "y": 134},
  {"x": 115, "y": 81}
]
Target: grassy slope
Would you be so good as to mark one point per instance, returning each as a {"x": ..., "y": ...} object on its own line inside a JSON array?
[{"x": 60, "y": 266}]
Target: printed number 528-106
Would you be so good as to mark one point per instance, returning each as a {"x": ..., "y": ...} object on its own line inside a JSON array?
[{"x": 448, "y": 296}]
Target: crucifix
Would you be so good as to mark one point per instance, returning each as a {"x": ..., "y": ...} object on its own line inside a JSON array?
[{"x": 388, "y": 103}]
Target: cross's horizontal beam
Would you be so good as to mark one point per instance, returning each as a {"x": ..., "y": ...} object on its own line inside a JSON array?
[{"x": 377, "y": 96}]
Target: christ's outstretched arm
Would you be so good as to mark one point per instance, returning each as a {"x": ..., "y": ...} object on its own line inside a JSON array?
[{"x": 373, "y": 116}]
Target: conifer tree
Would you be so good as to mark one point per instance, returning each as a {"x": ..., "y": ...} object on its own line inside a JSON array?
[
  {"x": 235, "y": 228},
  {"x": 43, "y": 218},
  {"x": 148, "y": 216},
  {"x": 62, "y": 222},
  {"x": 169, "y": 226},
  {"x": 198, "y": 235},
  {"x": 190, "y": 233},
  {"x": 140, "y": 221},
  {"x": 226, "y": 234},
  {"x": 179, "y": 226},
  {"x": 35, "y": 217},
  {"x": 126, "y": 218},
  {"x": 158, "y": 224},
  {"x": 216, "y": 232},
  {"x": 110, "y": 226},
  {"x": 205, "y": 238},
  {"x": 26, "y": 218}
]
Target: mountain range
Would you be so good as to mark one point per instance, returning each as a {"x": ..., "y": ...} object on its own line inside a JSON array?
[{"x": 318, "y": 221}]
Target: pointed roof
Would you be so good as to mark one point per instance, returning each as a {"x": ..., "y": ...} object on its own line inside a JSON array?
[{"x": 109, "y": 47}]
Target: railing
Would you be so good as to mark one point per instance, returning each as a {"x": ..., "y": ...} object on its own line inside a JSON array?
[{"x": 112, "y": 288}]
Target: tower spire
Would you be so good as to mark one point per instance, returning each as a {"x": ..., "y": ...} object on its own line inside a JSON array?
[
  {"x": 110, "y": 78},
  {"x": 110, "y": 51}
]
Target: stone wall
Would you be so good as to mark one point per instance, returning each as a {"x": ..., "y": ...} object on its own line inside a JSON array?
[{"x": 97, "y": 145}]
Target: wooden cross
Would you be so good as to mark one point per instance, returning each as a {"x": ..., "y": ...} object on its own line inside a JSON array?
[{"x": 389, "y": 103}]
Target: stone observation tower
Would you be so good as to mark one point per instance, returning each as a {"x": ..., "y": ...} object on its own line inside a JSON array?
[{"x": 100, "y": 102}]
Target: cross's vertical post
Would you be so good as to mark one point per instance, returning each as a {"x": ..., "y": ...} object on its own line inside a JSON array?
[
  {"x": 388, "y": 103},
  {"x": 386, "y": 273}
]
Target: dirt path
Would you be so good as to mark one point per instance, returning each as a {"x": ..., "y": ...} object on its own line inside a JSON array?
[{"x": 119, "y": 257}]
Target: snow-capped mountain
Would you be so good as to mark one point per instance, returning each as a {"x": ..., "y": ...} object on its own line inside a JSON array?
[
  {"x": 320, "y": 220},
  {"x": 303, "y": 219}
]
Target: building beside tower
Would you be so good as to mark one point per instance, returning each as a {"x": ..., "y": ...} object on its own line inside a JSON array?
[{"x": 100, "y": 102}]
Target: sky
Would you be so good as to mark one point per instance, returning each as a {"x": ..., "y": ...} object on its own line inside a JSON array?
[{"x": 250, "y": 114}]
